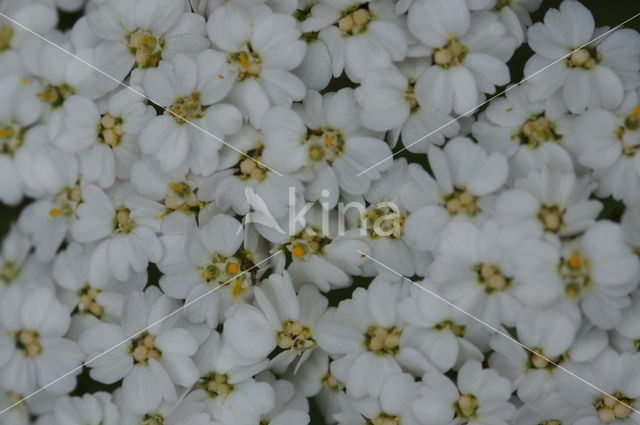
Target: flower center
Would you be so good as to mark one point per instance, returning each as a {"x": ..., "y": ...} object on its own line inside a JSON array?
[
  {"x": 110, "y": 130},
  {"x": 216, "y": 385},
  {"x": 575, "y": 272},
  {"x": 385, "y": 419},
  {"x": 452, "y": 54},
  {"x": 66, "y": 201},
  {"x": 466, "y": 406},
  {"x": 296, "y": 337},
  {"x": 56, "y": 95},
  {"x": 383, "y": 341},
  {"x": 331, "y": 383},
  {"x": 457, "y": 330},
  {"x": 182, "y": 197},
  {"x": 536, "y": 131},
  {"x": 491, "y": 277},
  {"x": 585, "y": 58},
  {"x": 384, "y": 220},
  {"x": 122, "y": 221},
  {"x": 410, "y": 96},
  {"x": 153, "y": 419},
  {"x": 87, "y": 303},
  {"x": 307, "y": 243},
  {"x": 6, "y": 35},
  {"x": 11, "y": 138},
  {"x": 538, "y": 360},
  {"x": 9, "y": 272},
  {"x": 325, "y": 144},
  {"x": 500, "y": 4},
  {"x": 630, "y": 145},
  {"x": 248, "y": 63},
  {"x": 551, "y": 422},
  {"x": 251, "y": 167},
  {"x": 146, "y": 48},
  {"x": 29, "y": 343},
  {"x": 223, "y": 269},
  {"x": 144, "y": 348},
  {"x": 188, "y": 108},
  {"x": 355, "y": 22},
  {"x": 610, "y": 409},
  {"x": 551, "y": 218},
  {"x": 461, "y": 201}
]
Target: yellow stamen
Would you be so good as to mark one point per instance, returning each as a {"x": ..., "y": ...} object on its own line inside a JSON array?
[
  {"x": 298, "y": 251},
  {"x": 56, "y": 212}
]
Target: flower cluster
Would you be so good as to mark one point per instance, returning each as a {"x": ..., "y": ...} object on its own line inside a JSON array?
[{"x": 221, "y": 226}]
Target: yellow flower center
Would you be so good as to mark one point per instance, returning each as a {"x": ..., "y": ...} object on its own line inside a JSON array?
[
  {"x": 332, "y": 384},
  {"x": 325, "y": 144},
  {"x": 585, "y": 58},
  {"x": 29, "y": 343},
  {"x": 355, "y": 22},
  {"x": 385, "y": 419},
  {"x": 182, "y": 197},
  {"x": 66, "y": 201},
  {"x": 536, "y": 131},
  {"x": 153, "y": 419},
  {"x": 11, "y": 138},
  {"x": 491, "y": 277},
  {"x": 457, "y": 330},
  {"x": 538, "y": 360},
  {"x": 216, "y": 385},
  {"x": 9, "y": 272},
  {"x": 229, "y": 270},
  {"x": 296, "y": 337},
  {"x": 56, "y": 95},
  {"x": 6, "y": 35},
  {"x": 306, "y": 243},
  {"x": 383, "y": 341},
  {"x": 466, "y": 406},
  {"x": 574, "y": 270},
  {"x": 87, "y": 303},
  {"x": 188, "y": 108},
  {"x": 609, "y": 409},
  {"x": 146, "y": 48},
  {"x": 122, "y": 222},
  {"x": 110, "y": 130},
  {"x": 551, "y": 218},
  {"x": 461, "y": 202},
  {"x": 144, "y": 348},
  {"x": 251, "y": 167},
  {"x": 248, "y": 63},
  {"x": 452, "y": 54},
  {"x": 383, "y": 221}
]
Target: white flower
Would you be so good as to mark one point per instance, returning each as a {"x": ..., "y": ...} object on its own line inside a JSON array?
[
  {"x": 359, "y": 38},
  {"x": 481, "y": 396},
  {"x": 282, "y": 319},
  {"x": 226, "y": 388},
  {"x": 151, "y": 363},
  {"x": 207, "y": 258},
  {"x": 17, "y": 265},
  {"x": 33, "y": 352},
  {"x": 528, "y": 135},
  {"x": 389, "y": 102},
  {"x": 474, "y": 271},
  {"x": 596, "y": 270},
  {"x": 366, "y": 335},
  {"x": 548, "y": 202},
  {"x": 469, "y": 54},
  {"x": 146, "y": 32},
  {"x": 90, "y": 409},
  {"x": 105, "y": 139},
  {"x": 325, "y": 139},
  {"x": 124, "y": 243},
  {"x": 441, "y": 333},
  {"x": 464, "y": 178},
  {"x": 259, "y": 51},
  {"x": 626, "y": 336},
  {"x": 592, "y": 76},
  {"x": 514, "y": 15},
  {"x": 290, "y": 408},
  {"x": 610, "y": 145},
  {"x": 549, "y": 334},
  {"x": 617, "y": 375}
]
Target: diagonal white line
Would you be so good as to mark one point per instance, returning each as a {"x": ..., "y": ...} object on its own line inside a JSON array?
[
  {"x": 124, "y": 341},
  {"x": 498, "y": 331},
  {"x": 135, "y": 91},
  {"x": 472, "y": 110}
]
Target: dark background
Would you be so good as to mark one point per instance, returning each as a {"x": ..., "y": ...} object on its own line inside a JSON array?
[{"x": 606, "y": 13}]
